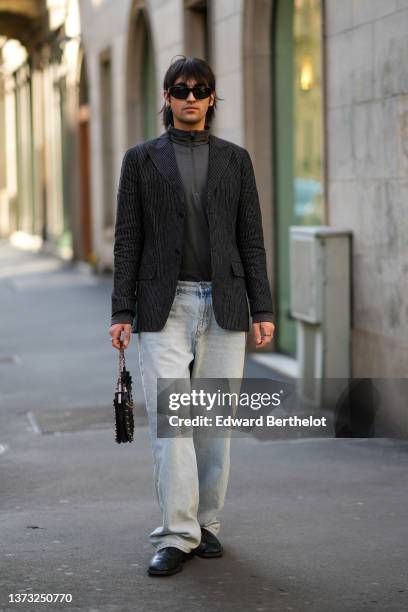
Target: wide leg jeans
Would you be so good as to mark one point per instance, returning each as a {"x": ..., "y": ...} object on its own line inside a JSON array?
[{"x": 190, "y": 473}]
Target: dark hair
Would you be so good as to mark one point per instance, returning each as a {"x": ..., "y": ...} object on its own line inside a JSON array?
[{"x": 189, "y": 67}]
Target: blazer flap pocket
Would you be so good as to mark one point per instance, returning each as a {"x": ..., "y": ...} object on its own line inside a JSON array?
[
  {"x": 147, "y": 271},
  {"x": 237, "y": 268}
]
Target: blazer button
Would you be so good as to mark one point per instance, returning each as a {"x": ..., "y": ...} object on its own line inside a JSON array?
[
  {"x": 177, "y": 251},
  {"x": 181, "y": 214}
]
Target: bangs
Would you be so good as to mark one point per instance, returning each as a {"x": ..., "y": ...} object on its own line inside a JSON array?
[{"x": 189, "y": 68}]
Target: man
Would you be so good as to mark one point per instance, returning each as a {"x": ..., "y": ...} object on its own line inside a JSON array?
[{"x": 188, "y": 256}]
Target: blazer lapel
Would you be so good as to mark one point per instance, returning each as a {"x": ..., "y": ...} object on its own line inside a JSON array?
[
  {"x": 218, "y": 159},
  {"x": 162, "y": 154}
]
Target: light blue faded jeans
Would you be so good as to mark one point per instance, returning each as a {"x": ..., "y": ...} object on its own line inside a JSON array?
[{"x": 190, "y": 473}]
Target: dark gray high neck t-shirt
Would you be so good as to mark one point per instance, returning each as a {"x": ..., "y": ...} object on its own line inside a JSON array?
[{"x": 191, "y": 150}]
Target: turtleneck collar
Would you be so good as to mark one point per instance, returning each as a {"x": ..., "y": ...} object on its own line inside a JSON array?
[{"x": 195, "y": 137}]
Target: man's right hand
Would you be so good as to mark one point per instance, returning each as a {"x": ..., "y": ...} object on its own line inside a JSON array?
[{"x": 115, "y": 332}]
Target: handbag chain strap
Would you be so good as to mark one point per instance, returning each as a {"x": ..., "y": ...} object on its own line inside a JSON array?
[{"x": 122, "y": 365}]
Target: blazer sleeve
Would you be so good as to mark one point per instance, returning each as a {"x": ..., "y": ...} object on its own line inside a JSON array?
[
  {"x": 128, "y": 236},
  {"x": 251, "y": 242},
  {"x": 123, "y": 316},
  {"x": 261, "y": 317}
]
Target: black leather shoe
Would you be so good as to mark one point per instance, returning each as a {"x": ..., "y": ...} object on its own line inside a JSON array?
[
  {"x": 168, "y": 561},
  {"x": 209, "y": 546}
]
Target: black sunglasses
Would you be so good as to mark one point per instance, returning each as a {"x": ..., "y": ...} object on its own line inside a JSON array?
[{"x": 181, "y": 92}]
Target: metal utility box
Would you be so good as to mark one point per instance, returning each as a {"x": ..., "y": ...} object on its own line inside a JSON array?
[{"x": 320, "y": 301}]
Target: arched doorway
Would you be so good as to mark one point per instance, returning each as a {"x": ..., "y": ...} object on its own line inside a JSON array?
[
  {"x": 141, "y": 94},
  {"x": 84, "y": 160}
]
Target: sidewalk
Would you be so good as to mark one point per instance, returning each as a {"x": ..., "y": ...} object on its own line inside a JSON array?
[{"x": 315, "y": 525}]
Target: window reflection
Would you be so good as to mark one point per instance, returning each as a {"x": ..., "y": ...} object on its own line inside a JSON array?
[{"x": 307, "y": 113}]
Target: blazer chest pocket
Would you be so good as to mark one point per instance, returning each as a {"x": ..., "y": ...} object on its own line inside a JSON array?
[
  {"x": 238, "y": 268},
  {"x": 147, "y": 271}
]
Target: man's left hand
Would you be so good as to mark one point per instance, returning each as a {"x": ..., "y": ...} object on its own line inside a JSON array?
[{"x": 263, "y": 333}]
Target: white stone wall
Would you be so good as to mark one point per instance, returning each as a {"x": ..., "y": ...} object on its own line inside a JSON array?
[
  {"x": 104, "y": 24},
  {"x": 367, "y": 136},
  {"x": 367, "y": 114}
]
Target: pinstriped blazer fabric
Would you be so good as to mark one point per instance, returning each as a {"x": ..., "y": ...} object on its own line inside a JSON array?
[{"x": 149, "y": 232}]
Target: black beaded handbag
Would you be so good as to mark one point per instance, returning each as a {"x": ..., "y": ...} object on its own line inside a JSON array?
[{"x": 123, "y": 403}]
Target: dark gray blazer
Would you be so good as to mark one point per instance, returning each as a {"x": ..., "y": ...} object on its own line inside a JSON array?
[{"x": 149, "y": 231}]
